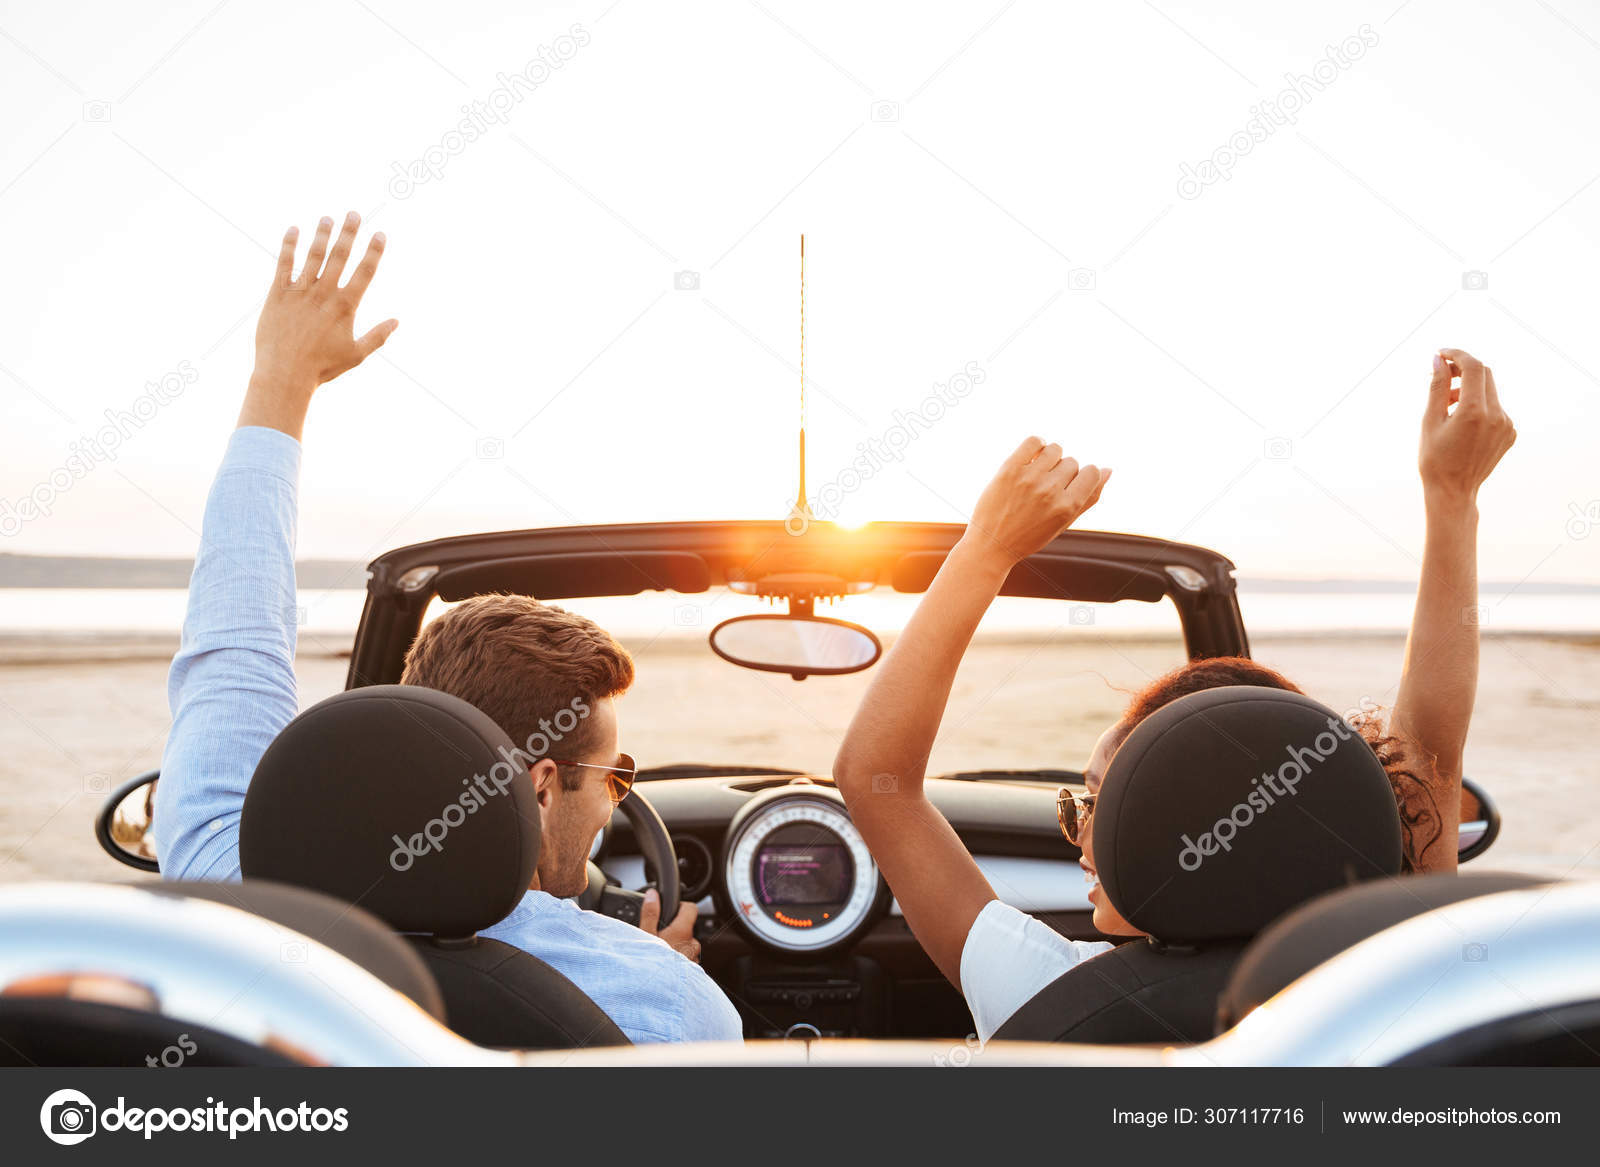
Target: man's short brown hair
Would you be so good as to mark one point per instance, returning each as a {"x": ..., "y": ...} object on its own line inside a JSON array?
[{"x": 523, "y": 663}]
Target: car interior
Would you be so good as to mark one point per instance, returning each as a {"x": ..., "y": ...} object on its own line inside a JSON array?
[{"x": 823, "y": 953}]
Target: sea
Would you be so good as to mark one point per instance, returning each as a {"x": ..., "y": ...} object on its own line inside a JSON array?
[{"x": 1269, "y": 607}]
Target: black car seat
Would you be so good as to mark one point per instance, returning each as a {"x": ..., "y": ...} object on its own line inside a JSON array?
[
  {"x": 410, "y": 804},
  {"x": 1322, "y": 929},
  {"x": 1203, "y": 835},
  {"x": 353, "y": 934}
]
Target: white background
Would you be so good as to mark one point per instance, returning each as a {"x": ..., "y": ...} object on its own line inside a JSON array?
[{"x": 1299, "y": 301}]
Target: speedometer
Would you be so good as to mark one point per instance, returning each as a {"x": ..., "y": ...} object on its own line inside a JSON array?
[{"x": 797, "y": 875}]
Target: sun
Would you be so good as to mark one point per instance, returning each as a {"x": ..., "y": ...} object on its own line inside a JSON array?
[{"x": 851, "y": 518}]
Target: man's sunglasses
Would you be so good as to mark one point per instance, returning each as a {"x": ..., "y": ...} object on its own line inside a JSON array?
[
  {"x": 619, "y": 778},
  {"x": 1073, "y": 812}
]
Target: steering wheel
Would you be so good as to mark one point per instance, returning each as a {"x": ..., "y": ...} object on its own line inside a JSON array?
[{"x": 656, "y": 846}]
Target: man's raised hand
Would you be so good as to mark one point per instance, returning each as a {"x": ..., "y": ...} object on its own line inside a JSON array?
[{"x": 306, "y": 334}]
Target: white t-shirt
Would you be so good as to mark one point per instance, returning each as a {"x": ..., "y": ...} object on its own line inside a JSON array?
[{"x": 1008, "y": 957}]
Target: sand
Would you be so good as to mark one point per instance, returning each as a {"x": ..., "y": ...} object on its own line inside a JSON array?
[{"x": 78, "y": 716}]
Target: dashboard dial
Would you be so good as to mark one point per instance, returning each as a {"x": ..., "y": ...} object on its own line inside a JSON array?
[{"x": 796, "y": 873}]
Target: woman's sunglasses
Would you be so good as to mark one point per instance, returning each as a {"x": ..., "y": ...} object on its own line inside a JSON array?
[
  {"x": 1073, "y": 812},
  {"x": 619, "y": 778}
]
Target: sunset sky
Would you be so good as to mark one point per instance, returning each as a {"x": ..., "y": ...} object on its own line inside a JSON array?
[{"x": 598, "y": 296}]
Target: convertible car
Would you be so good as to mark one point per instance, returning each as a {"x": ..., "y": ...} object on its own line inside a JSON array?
[{"x": 797, "y": 924}]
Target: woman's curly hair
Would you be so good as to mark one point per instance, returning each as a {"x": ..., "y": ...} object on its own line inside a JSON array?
[{"x": 1413, "y": 797}]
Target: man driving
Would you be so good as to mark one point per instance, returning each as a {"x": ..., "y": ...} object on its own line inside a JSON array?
[{"x": 537, "y": 671}]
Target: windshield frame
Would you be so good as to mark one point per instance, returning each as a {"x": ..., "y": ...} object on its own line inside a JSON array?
[{"x": 557, "y": 563}]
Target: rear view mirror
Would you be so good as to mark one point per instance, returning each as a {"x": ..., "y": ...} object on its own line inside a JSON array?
[
  {"x": 802, "y": 646},
  {"x": 1480, "y": 821},
  {"x": 125, "y": 826}
]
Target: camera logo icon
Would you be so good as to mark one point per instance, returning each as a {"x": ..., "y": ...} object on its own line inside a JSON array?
[
  {"x": 1475, "y": 615},
  {"x": 1474, "y": 953},
  {"x": 96, "y": 783},
  {"x": 490, "y": 449},
  {"x": 885, "y": 784},
  {"x": 1474, "y": 281},
  {"x": 293, "y": 952},
  {"x": 1082, "y": 279},
  {"x": 885, "y": 111},
  {"x": 1277, "y": 449},
  {"x": 686, "y": 281},
  {"x": 67, "y": 1117},
  {"x": 1081, "y": 615},
  {"x": 686, "y": 615},
  {"x": 97, "y": 111}
]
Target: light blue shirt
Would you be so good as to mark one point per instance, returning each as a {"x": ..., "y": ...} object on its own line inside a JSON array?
[{"x": 232, "y": 689}]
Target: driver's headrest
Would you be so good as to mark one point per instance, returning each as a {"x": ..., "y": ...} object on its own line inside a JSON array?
[
  {"x": 407, "y": 801},
  {"x": 1226, "y": 808}
]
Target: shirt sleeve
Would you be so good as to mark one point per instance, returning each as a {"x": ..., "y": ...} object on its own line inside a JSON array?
[
  {"x": 708, "y": 1014},
  {"x": 1008, "y": 957},
  {"x": 232, "y": 684}
]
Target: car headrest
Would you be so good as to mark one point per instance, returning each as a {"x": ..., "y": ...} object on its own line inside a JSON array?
[
  {"x": 1322, "y": 929},
  {"x": 1228, "y": 807},
  {"x": 408, "y": 802}
]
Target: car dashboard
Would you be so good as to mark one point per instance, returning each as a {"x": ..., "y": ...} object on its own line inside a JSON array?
[{"x": 797, "y": 925}]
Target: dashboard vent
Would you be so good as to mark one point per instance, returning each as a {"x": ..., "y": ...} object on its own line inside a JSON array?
[{"x": 694, "y": 867}]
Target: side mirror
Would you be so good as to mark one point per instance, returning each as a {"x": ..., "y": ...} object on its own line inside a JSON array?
[
  {"x": 802, "y": 646},
  {"x": 125, "y": 824},
  {"x": 1480, "y": 821}
]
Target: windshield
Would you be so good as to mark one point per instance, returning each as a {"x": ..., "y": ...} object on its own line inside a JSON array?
[{"x": 1042, "y": 680}]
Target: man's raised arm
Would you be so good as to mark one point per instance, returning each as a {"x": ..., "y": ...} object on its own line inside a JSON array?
[{"x": 232, "y": 685}]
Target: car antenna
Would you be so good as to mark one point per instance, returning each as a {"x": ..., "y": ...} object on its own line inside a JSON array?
[{"x": 801, "y": 516}]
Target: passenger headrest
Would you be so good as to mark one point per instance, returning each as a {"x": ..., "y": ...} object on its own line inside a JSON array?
[
  {"x": 1226, "y": 808},
  {"x": 409, "y": 802},
  {"x": 1322, "y": 929}
]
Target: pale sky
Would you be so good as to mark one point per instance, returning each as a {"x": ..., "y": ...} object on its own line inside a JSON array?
[{"x": 989, "y": 184}]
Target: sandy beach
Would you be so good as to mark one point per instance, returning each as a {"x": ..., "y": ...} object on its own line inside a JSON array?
[{"x": 80, "y": 715}]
